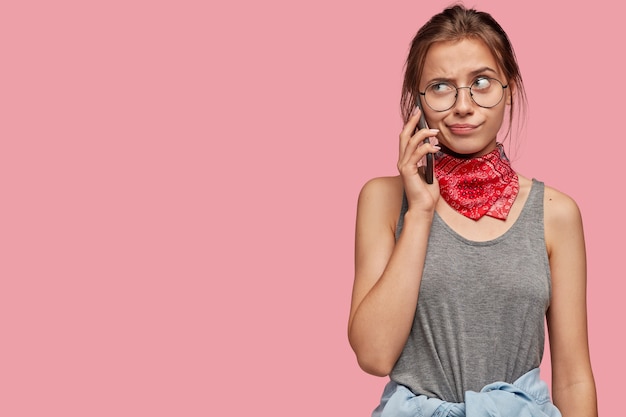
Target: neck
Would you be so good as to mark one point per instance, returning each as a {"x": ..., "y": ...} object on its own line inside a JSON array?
[{"x": 477, "y": 185}]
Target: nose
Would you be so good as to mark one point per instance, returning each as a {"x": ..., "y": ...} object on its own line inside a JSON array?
[{"x": 464, "y": 102}]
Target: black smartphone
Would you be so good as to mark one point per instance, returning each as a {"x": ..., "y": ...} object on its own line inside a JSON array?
[{"x": 429, "y": 156}]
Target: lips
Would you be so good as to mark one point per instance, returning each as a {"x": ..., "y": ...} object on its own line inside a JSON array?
[{"x": 462, "y": 128}]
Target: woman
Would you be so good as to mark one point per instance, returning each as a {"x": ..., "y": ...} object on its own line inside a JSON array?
[{"x": 454, "y": 279}]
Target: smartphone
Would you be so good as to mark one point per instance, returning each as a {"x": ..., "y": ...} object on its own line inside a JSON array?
[{"x": 429, "y": 156}]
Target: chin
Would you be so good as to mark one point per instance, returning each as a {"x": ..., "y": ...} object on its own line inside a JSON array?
[{"x": 468, "y": 148}]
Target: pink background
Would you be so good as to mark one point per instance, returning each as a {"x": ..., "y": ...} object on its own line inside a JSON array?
[{"x": 179, "y": 183}]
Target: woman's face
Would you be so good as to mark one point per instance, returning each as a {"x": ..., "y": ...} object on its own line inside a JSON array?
[{"x": 466, "y": 128}]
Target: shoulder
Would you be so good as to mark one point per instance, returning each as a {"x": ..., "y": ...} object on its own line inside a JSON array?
[
  {"x": 380, "y": 200},
  {"x": 559, "y": 208},
  {"x": 382, "y": 187},
  {"x": 562, "y": 218}
]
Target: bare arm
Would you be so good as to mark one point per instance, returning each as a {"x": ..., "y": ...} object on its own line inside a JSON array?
[
  {"x": 573, "y": 386},
  {"x": 388, "y": 273},
  {"x": 387, "y": 279}
]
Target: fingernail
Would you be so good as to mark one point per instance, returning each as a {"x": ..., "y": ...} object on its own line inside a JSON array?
[
  {"x": 434, "y": 130},
  {"x": 415, "y": 110}
]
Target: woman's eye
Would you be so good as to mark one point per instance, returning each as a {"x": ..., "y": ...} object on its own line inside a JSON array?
[
  {"x": 481, "y": 83},
  {"x": 441, "y": 88}
]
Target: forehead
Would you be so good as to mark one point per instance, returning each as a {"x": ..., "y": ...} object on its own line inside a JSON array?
[{"x": 457, "y": 59}]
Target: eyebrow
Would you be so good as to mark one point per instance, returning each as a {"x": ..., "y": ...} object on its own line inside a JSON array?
[
  {"x": 483, "y": 69},
  {"x": 472, "y": 73}
]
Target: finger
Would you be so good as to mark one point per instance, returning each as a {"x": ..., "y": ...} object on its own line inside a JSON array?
[
  {"x": 409, "y": 128},
  {"x": 410, "y": 161},
  {"x": 434, "y": 148},
  {"x": 418, "y": 139}
]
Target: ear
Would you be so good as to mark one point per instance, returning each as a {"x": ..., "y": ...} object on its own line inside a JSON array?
[{"x": 511, "y": 90}]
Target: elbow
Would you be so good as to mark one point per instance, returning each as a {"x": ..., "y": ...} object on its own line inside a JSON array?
[
  {"x": 376, "y": 359},
  {"x": 376, "y": 365},
  {"x": 375, "y": 369}
]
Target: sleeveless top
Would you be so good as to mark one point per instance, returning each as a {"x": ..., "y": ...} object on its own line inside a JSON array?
[{"x": 481, "y": 309}]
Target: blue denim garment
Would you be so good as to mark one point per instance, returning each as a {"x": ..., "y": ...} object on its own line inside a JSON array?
[{"x": 527, "y": 397}]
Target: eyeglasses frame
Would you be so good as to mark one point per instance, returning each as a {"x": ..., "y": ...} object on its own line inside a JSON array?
[{"x": 456, "y": 95}]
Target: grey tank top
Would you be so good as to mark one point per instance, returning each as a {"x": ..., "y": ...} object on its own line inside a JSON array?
[{"x": 481, "y": 308}]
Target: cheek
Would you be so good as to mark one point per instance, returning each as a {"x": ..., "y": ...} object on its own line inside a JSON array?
[
  {"x": 495, "y": 123},
  {"x": 435, "y": 120}
]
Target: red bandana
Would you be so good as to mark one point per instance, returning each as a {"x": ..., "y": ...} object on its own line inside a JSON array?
[{"x": 486, "y": 185}]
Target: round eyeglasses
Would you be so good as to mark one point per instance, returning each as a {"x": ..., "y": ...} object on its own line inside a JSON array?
[{"x": 484, "y": 91}]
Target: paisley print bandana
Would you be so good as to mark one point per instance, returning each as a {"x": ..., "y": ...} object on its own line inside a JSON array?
[{"x": 475, "y": 187}]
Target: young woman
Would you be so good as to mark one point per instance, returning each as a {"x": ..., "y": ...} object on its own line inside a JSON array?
[{"x": 454, "y": 279}]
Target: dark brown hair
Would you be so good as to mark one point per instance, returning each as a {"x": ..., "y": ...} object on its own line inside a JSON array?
[{"x": 453, "y": 24}]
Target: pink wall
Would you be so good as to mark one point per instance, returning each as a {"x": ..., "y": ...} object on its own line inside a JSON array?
[{"x": 179, "y": 185}]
